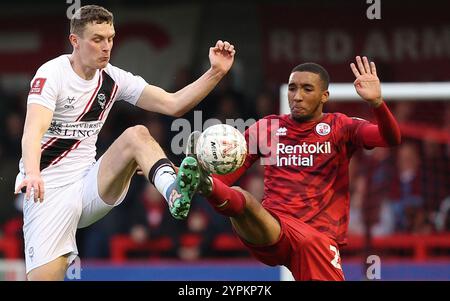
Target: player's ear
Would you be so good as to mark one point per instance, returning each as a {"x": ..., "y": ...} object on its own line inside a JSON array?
[
  {"x": 325, "y": 96},
  {"x": 73, "y": 38}
]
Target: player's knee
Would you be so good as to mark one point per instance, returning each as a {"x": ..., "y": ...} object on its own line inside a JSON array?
[
  {"x": 139, "y": 131},
  {"x": 248, "y": 197},
  {"x": 246, "y": 194},
  {"x": 238, "y": 189},
  {"x": 136, "y": 134}
]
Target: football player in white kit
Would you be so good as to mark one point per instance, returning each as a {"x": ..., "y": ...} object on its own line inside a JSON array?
[{"x": 65, "y": 188}]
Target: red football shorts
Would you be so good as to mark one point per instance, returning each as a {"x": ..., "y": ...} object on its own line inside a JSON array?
[{"x": 307, "y": 253}]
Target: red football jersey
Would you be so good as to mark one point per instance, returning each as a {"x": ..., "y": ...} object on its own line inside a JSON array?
[{"x": 306, "y": 167}]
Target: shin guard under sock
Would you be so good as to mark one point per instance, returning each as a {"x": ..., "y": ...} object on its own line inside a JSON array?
[{"x": 225, "y": 200}]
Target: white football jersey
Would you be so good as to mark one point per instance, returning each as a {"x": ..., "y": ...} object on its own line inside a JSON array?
[{"x": 80, "y": 108}]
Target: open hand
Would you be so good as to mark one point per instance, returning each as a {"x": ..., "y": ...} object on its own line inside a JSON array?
[{"x": 367, "y": 83}]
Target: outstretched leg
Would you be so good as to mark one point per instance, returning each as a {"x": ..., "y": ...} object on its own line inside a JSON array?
[
  {"x": 136, "y": 147},
  {"x": 251, "y": 221}
]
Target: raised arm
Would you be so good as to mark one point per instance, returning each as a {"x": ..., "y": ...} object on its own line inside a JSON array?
[
  {"x": 367, "y": 85},
  {"x": 155, "y": 99},
  {"x": 36, "y": 124}
]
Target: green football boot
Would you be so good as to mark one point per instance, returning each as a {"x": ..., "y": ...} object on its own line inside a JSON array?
[{"x": 183, "y": 189}]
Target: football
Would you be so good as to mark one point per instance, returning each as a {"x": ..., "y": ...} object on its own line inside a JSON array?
[{"x": 221, "y": 149}]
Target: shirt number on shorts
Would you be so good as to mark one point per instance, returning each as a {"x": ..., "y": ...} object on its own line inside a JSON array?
[{"x": 337, "y": 259}]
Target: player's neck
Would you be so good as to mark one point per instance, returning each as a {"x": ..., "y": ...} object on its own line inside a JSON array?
[
  {"x": 84, "y": 72},
  {"x": 308, "y": 120}
]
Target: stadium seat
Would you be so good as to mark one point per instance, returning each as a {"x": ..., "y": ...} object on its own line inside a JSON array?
[
  {"x": 419, "y": 247},
  {"x": 227, "y": 242},
  {"x": 122, "y": 245}
]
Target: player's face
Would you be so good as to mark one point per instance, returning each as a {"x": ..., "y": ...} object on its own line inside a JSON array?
[
  {"x": 306, "y": 96},
  {"x": 95, "y": 45}
]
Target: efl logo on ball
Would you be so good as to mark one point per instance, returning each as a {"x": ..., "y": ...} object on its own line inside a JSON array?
[{"x": 221, "y": 149}]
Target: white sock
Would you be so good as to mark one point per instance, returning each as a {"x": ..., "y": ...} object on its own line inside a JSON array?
[{"x": 164, "y": 177}]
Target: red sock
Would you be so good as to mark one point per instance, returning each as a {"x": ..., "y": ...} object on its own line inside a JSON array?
[{"x": 225, "y": 200}]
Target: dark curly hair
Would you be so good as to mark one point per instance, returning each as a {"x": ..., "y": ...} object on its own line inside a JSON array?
[{"x": 317, "y": 69}]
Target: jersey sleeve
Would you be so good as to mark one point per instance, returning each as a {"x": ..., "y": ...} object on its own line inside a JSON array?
[
  {"x": 350, "y": 129},
  {"x": 44, "y": 88},
  {"x": 130, "y": 86},
  {"x": 385, "y": 132},
  {"x": 387, "y": 126}
]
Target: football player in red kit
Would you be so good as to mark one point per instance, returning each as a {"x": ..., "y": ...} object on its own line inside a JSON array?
[{"x": 303, "y": 218}]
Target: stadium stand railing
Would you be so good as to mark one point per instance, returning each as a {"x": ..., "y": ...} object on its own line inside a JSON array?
[{"x": 407, "y": 246}]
